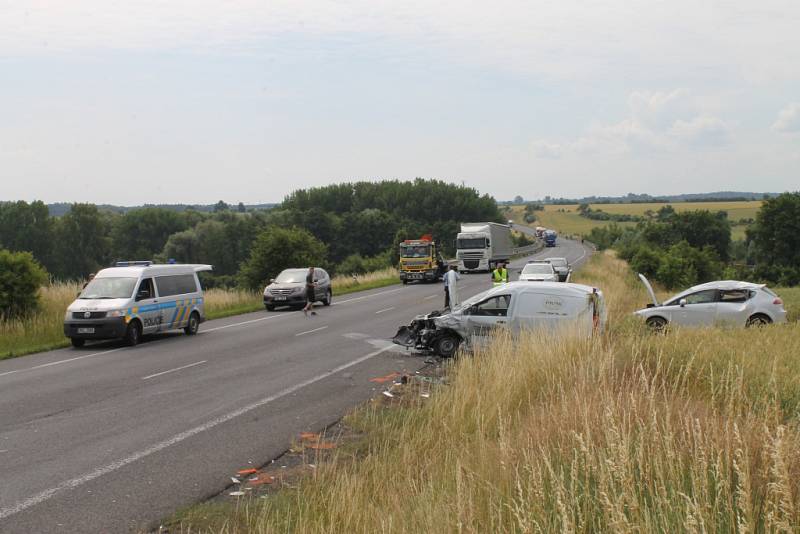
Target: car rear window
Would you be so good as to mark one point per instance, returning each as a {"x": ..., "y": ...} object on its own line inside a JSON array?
[{"x": 735, "y": 295}]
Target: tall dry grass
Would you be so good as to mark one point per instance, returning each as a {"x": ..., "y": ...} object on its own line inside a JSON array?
[
  {"x": 343, "y": 284},
  {"x": 695, "y": 431}
]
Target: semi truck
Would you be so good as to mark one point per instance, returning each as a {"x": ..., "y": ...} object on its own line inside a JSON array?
[
  {"x": 420, "y": 260},
  {"x": 481, "y": 246},
  {"x": 549, "y": 238}
]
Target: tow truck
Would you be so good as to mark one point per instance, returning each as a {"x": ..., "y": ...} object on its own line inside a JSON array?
[{"x": 421, "y": 260}]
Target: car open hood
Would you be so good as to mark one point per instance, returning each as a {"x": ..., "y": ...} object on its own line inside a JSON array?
[{"x": 646, "y": 283}]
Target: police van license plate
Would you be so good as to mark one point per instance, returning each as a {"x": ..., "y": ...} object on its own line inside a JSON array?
[{"x": 86, "y": 330}]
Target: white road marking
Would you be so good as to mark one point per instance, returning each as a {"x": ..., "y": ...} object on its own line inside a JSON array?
[
  {"x": 369, "y": 296},
  {"x": 59, "y": 362},
  {"x": 311, "y": 331},
  {"x": 430, "y": 297},
  {"x": 173, "y": 370},
  {"x": 174, "y": 440},
  {"x": 384, "y": 310},
  {"x": 243, "y": 322}
]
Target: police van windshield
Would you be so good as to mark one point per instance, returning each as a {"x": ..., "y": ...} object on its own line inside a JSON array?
[
  {"x": 109, "y": 288},
  {"x": 415, "y": 251},
  {"x": 292, "y": 276}
]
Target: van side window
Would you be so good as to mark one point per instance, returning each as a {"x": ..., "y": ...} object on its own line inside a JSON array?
[
  {"x": 179, "y": 284},
  {"x": 145, "y": 290},
  {"x": 495, "y": 306}
]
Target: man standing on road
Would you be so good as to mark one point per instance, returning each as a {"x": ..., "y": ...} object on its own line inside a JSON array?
[
  {"x": 500, "y": 274},
  {"x": 310, "y": 286},
  {"x": 451, "y": 279}
]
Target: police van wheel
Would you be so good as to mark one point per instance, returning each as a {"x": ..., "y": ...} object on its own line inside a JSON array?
[
  {"x": 133, "y": 335},
  {"x": 193, "y": 325},
  {"x": 77, "y": 342},
  {"x": 446, "y": 346}
]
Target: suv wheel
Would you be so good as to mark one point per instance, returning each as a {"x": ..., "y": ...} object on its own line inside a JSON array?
[
  {"x": 77, "y": 342},
  {"x": 328, "y": 298}
]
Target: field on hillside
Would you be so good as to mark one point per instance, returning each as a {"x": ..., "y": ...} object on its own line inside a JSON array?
[
  {"x": 566, "y": 220},
  {"x": 692, "y": 431}
]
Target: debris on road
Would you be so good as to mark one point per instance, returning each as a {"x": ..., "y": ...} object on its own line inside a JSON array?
[{"x": 384, "y": 379}]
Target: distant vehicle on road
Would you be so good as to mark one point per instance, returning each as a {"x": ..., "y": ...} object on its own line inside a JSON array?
[
  {"x": 538, "y": 271},
  {"x": 563, "y": 309},
  {"x": 722, "y": 302},
  {"x": 420, "y": 259},
  {"x": 136, "y": 298},
  {"x": 540, "y": 231},
  {"x": 561, "y": 266},
  {"x": 549, "y": 238},
  {"x": 289, "y": 288},
  {"x": 481, "y": 246}
]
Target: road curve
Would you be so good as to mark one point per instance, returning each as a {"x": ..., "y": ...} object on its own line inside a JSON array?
[{"x": 111, "y": 439}]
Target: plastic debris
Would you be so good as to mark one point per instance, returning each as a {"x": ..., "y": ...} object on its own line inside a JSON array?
[
  {"x": 388, "y": 394},
  {"x": 249, "y": 471},
  {"x": 235, "y": 480},
  {"x": 309, "y": 436},
  {"x": 322, "y": 445},
  {"x": 236, "y": 493},
  {"x": 384, "y": 379}
]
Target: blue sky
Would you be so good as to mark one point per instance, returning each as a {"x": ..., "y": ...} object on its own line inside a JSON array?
[{"x": 134, "y": 102}]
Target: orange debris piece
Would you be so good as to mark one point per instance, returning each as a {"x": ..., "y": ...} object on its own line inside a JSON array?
[
  {"x": 384, "y": 379},
  {"x": 322, "y": 445},
  {"x": 309, "y": 436},
  {"x": 248, "y": 471}
]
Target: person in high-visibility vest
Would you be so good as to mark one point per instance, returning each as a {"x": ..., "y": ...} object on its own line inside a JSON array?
[{"x": 500, "y": 275}]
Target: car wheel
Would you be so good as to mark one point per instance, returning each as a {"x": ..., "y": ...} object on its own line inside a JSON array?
[
  {"x": 657, "y": 324},
  {"x": 77, "y": 342},
  {"x": 133, "y": 335},
  {"x": 193, "y": 325},
  {"x": 446, "y": 345},
  {"x": 758, "y": 319},
  {"x": 328, "y": 298}
]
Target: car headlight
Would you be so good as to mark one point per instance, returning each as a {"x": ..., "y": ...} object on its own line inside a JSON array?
[{"x": 116, "y": 313}]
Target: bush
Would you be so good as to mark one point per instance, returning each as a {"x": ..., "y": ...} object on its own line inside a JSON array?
[
  {"x": 646, "y": 261},
  {"x": 276, "y": 249},
  {"x": 21, "y": 276},
  {"x": 684, "y": 265},
  {"x": 357, "y": 264}
]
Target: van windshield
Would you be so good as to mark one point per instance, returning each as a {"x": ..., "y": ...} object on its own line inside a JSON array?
[
  {"x": 292, "y": 276},
  {"x": 109, "y": 288}
]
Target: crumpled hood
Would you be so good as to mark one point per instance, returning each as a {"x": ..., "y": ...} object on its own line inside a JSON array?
[
  {"x": 450, "y": 320},
  {"x": 80, "y": 305}
]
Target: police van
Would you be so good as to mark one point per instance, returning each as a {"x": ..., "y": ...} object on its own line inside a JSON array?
[{"x": 136, "y": 298}]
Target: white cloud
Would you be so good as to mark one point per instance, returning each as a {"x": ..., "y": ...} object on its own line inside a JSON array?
[
  {"x": 657, "y": 122},
  {"x": 788, "y": 119}
]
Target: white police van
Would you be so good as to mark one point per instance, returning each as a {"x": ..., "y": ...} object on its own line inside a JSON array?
[{"x": 135, "y": 298}]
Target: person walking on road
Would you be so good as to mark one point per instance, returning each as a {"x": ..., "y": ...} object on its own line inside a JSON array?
[
  {"x": 500, "y": 274},
  {"x": 310, "y": 297},
  {"x": 451, "y": 279}
]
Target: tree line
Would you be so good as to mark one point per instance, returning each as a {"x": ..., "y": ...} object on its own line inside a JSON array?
[
  {"x": 683, "y": 249},
  {"x": 342, "y": 227}
]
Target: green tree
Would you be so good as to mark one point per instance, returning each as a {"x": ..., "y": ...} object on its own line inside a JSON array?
[
  {"x": 276, "y": 249},
  {"x": 646, "y": 261},
  {"x": 776, "y": 235},
  {"x": 83, "y": 244},
  {"x": 27, "y": 227},
  {"x": 142, "y": 233},
  {"x": 21, "y": 276}
]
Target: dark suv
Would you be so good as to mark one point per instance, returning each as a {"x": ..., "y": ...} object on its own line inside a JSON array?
[{"x": 289, "y": 288}]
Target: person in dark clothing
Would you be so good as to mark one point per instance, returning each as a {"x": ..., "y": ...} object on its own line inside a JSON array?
[{"x": 310, "y": 286}]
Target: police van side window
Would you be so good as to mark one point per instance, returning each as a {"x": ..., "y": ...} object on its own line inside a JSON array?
[
  {"x": 175, "y": 284},
  {"x": 145, "y": 290}
]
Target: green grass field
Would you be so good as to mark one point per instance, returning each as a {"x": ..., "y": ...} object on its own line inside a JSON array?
[{"x": 566, "y": 220}]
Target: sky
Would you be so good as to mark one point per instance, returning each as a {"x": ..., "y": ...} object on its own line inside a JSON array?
[{"x": 192, "y": 101}]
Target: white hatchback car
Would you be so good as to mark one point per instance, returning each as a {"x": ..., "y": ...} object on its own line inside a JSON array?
[
  {"x": 538, "y": 271},
  {"x": 728, "y": 302}
]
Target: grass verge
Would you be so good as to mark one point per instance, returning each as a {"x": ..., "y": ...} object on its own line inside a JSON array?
[
  {"x": 693, "y": 431},
  {"x": 44, "y": 330}
]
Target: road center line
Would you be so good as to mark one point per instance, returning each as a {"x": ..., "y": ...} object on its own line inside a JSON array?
[
  {"x": 173, "y": 370},
  {"x": 384, "y": 310},
  {"x": 174, "y": 440},
  {"x": 311, "y": 331},
  {"x": 59, "y": 362},
  {"x": 244, "y": 322},
  {"x": 369, "y": 296},
  {"x": 430, "y": 297}
]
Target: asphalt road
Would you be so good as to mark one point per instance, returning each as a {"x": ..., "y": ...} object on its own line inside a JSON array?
[{"x": 111, "y": 439}]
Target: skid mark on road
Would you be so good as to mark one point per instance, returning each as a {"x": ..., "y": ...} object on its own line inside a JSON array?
[{"x": 174, "y": 440}]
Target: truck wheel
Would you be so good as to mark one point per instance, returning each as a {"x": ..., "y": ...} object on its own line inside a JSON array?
[
  {"x": 133, "y": 335},
  {"x": 193, "y": 325},
  {"x": 328, "y": 298},
  {"x": 77, "y": 342},
  {"x": 446, "y": 345}
]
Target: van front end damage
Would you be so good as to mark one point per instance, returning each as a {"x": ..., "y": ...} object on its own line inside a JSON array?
[{"x": 433, "y": 332}]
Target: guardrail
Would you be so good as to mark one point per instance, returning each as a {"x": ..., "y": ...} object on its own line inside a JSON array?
[{"x": 528, "y": 249}]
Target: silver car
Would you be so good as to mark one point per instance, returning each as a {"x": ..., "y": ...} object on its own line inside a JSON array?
[
  {"x": 289, "y": 288},
  {"x": 538, "y": 271},
  {"x": 561, "y": 266},
  {"x": 724, "y": 302}
]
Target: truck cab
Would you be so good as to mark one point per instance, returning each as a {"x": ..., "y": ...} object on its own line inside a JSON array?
[{"x": 420, "y": 260}]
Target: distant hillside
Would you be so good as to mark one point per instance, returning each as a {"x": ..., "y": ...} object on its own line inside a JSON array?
[
  {"x": 722, "y": 196},
  {"x": 60, "y": 208}
]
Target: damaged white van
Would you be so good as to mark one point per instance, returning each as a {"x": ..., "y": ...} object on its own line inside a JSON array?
[
  {"x": 562, "y": 308},
  {"x": 135, "y": 298}
]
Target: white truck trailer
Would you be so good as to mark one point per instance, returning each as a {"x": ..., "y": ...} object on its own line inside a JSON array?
[{"x": 481, "y": 246}]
